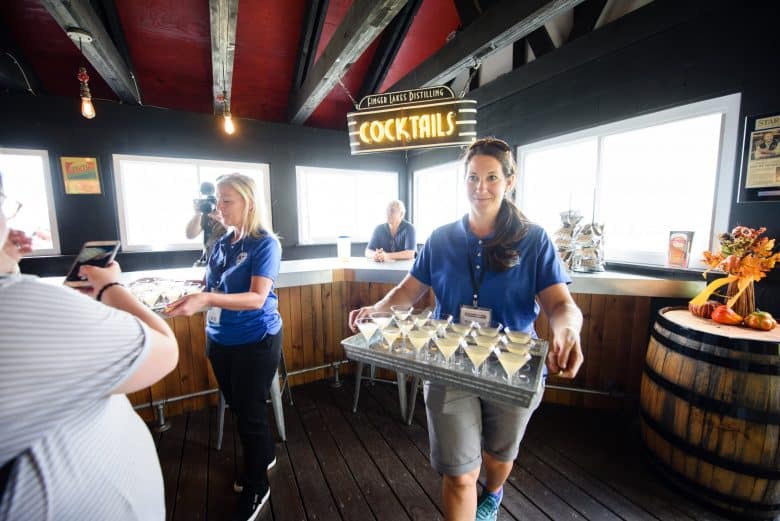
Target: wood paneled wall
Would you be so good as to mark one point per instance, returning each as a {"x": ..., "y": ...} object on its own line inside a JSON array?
[{"x": 614, "y": 339}]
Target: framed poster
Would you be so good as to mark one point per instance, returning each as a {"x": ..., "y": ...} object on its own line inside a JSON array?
[
  {"x": 760, "y": 173},
  {"x": 80, "y": 175}
]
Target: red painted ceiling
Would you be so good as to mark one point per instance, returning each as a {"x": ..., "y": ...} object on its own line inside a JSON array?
[{"x": 170, "y": 48}]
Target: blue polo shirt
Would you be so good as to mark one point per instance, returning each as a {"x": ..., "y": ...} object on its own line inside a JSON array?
[
  {"x": 405, "y": 238},
  {"x": 443, "y": 265},
  {"x": 230, "y": 270}
]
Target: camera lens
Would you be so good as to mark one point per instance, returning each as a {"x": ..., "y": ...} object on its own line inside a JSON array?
[{"x": 206, "y": 206}]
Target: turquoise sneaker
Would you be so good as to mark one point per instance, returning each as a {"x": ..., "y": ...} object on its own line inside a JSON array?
[{"x": 487, "y": 507}]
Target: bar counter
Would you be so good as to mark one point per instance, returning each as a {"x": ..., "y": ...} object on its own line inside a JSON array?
[{"x": 316, "y": 295}]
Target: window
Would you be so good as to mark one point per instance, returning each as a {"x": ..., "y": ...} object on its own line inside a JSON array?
[
  {"x": 439, "y": 197},
  {"x": 155, "y": 194},
  {"x": 333, "y": 202},
  {"x": 642, "y": 178},
  {"x": 26, "y": 177}
]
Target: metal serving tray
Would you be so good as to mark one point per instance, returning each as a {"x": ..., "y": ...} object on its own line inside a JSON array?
[{"x": 490, "y": 388}]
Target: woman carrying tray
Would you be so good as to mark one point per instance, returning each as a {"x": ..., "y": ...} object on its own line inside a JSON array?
[{"x": 493, "y": 264}]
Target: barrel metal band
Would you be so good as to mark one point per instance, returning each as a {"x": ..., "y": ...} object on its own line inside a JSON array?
[
  {"x": 672, "y": 439},
  {"x": 746, "y": 366},
  {"x": 711, "y": 404},
  {"x": 735, "y": 344},
  {"x": 684, "y": 481}
]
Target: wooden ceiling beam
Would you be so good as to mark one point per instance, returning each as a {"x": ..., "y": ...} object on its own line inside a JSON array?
[
  {"x": 362, "y": 23},
  {"x": 504, "y": 23},
  {"x": 392, "y": 39},
  {"x": 540, "y": 42},
  {"x": 585, "y": 17},
  {"x": 223, "y": 16},
  {"x": 310, "y": 39},
  {"x": 101, "y": 52}
]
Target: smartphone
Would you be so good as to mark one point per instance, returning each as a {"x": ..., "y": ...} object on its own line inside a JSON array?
[{"x": 93, "y": 253}]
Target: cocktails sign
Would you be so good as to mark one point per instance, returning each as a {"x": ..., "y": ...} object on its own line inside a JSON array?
[{"x": 421, "y": 118}]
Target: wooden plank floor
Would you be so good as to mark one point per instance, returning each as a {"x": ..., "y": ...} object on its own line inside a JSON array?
[{"x": 574, "y": 464}]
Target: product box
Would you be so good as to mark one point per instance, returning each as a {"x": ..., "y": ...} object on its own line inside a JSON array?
[{"x": 679, "y": 248}]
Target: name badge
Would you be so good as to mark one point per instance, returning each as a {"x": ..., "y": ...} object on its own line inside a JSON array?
[
  {"x": 482, "y": 316},
  {"x": 213, "y": 314}
]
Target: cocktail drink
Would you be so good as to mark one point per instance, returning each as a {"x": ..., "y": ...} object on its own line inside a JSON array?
[
  {"x": 421, "y": 318},
  {"x": 367, "y": 328},
  {"x": 520, "y": 349},
  {"x": 518, "y": 337},
  {"x": 492, "y": 330},
  {"x": 390, "y": 334},
  {"x": 382, "y": 318},
  {"x": 405, "y": 326},
  {"x": 442, "y": 322},
  {"x": 418, "y": 339},
  {"x": 401, "y": 312},
  {"x": 447, "y": 346},
  {"x": 461, "y": 329},
  {"x": 478, "y": 354},
  {"x": 486, "y": 341},
  {"x": 512, "y": 362}
]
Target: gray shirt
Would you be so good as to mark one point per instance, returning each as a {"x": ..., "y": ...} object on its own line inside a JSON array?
[{"x": 80, "y": 452}]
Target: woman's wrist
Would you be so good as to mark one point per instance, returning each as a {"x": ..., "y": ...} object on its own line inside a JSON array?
[{"x": 99, "y": 296}]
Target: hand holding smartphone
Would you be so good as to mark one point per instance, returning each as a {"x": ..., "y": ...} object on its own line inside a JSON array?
[{"x": 93, "y": 253}]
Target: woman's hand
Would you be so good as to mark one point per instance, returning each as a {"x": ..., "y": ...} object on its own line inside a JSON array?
[
  {"x": 379, "y": 255},
  {"x": 359, "y": 313},
  {"x": 99, "y": 277},
  {"x": 565, "y": 355},
  {"x": 17, "y": 245},
  {"x": 188, "y": 305}
]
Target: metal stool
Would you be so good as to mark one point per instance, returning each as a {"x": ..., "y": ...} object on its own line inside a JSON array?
[
  {"x": 277, "y": 390},
  {"x": 400, "y": 378}
]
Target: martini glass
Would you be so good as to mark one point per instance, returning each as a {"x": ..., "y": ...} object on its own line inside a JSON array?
[
  {"x": 421, "y": 318},
  {"x": 520, "y": 349},
  {"x": 517, "y": 336},
  {"x": 511, "y": 363},
  {"x": 442, "y": 322},
  {"x": 490, "y": 331},
  {"x": 382, "y": 318},
  {"x": 418, "y": 338},
  {"x": 401, "y": 312},
  {"x": 447, "y": 346},
  {"x": 405, "y": 325},
  {"x": 461, "y": 329},
  {"x": 367, "y": 328},
  {"x": 478, "y": 354},
  {"x": 390, "y": 334}
]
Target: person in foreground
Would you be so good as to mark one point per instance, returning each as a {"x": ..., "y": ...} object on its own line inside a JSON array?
[
  {"x": 492, "y": 258},
  {"x": 243, "y": 328},
  {"x": 394, "y": 240},
  {"x": 72, "y": 447}
]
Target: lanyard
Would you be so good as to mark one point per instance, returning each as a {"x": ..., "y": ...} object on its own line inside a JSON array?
[{"x": 475, "y": 284}]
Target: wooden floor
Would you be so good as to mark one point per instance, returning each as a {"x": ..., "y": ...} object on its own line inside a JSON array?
[{"x": 574, "y": 464}]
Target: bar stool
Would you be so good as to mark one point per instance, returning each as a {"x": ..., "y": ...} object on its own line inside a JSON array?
[
  {"x": 400, "y": 378},
  {"x": 277, "y": 389}
]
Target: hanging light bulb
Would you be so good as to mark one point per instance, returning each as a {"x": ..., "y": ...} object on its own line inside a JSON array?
[
  {"x": 87, "y": 109},
  {"x": 230, "y": 128}
]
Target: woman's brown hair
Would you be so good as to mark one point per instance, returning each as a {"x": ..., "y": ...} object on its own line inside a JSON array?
[{"x": 511, "y": 224}]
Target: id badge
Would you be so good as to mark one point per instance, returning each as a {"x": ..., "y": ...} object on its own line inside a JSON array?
[
  {"x": 482, "y": 316},
  {"x": 213, "y": 314}
]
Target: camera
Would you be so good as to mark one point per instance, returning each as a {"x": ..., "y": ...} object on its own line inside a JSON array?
[{"x": 207, "y": 203}]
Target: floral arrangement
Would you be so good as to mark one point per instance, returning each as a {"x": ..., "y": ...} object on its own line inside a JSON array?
[{"x": 744, "y": 256}]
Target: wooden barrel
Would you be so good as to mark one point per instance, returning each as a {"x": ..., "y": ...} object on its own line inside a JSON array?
[{"x": 710, "y": 411}]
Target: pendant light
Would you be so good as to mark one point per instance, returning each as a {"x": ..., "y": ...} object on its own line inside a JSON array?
[{"x": 87, "y": 108}]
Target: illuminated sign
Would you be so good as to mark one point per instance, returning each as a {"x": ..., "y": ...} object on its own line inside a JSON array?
[{"x": 430, "y": 117}]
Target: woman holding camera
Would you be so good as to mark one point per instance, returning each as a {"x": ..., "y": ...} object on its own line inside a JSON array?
[
  {"x": 205, "y": 220},
  {"x": 243, "y": 327},
  {"x": 495, "y": 264}
]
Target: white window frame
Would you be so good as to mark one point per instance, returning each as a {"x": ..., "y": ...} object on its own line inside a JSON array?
[
  {"x": 265, "y": 187},
  {"x": 458, "y": 177},
  {"x": 302, "y": 210},
  {"x": 728, "y": 106},
  {"x": 55, "y": 235}
]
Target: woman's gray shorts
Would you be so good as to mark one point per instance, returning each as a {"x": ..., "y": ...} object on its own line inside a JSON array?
[{"x": 461, "y": 425}]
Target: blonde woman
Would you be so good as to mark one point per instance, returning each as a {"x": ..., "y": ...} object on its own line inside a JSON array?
[{"x": 243, "y": 327}]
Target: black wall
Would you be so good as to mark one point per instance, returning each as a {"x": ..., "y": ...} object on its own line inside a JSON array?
[
  {"x": 665, "y": 54},
  {"x": 55, "y": 124}
]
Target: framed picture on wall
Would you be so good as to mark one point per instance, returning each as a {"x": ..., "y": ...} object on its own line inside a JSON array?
[
  {"x": 760, "y": 173},
  {"x": 80, "y": 175}
]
